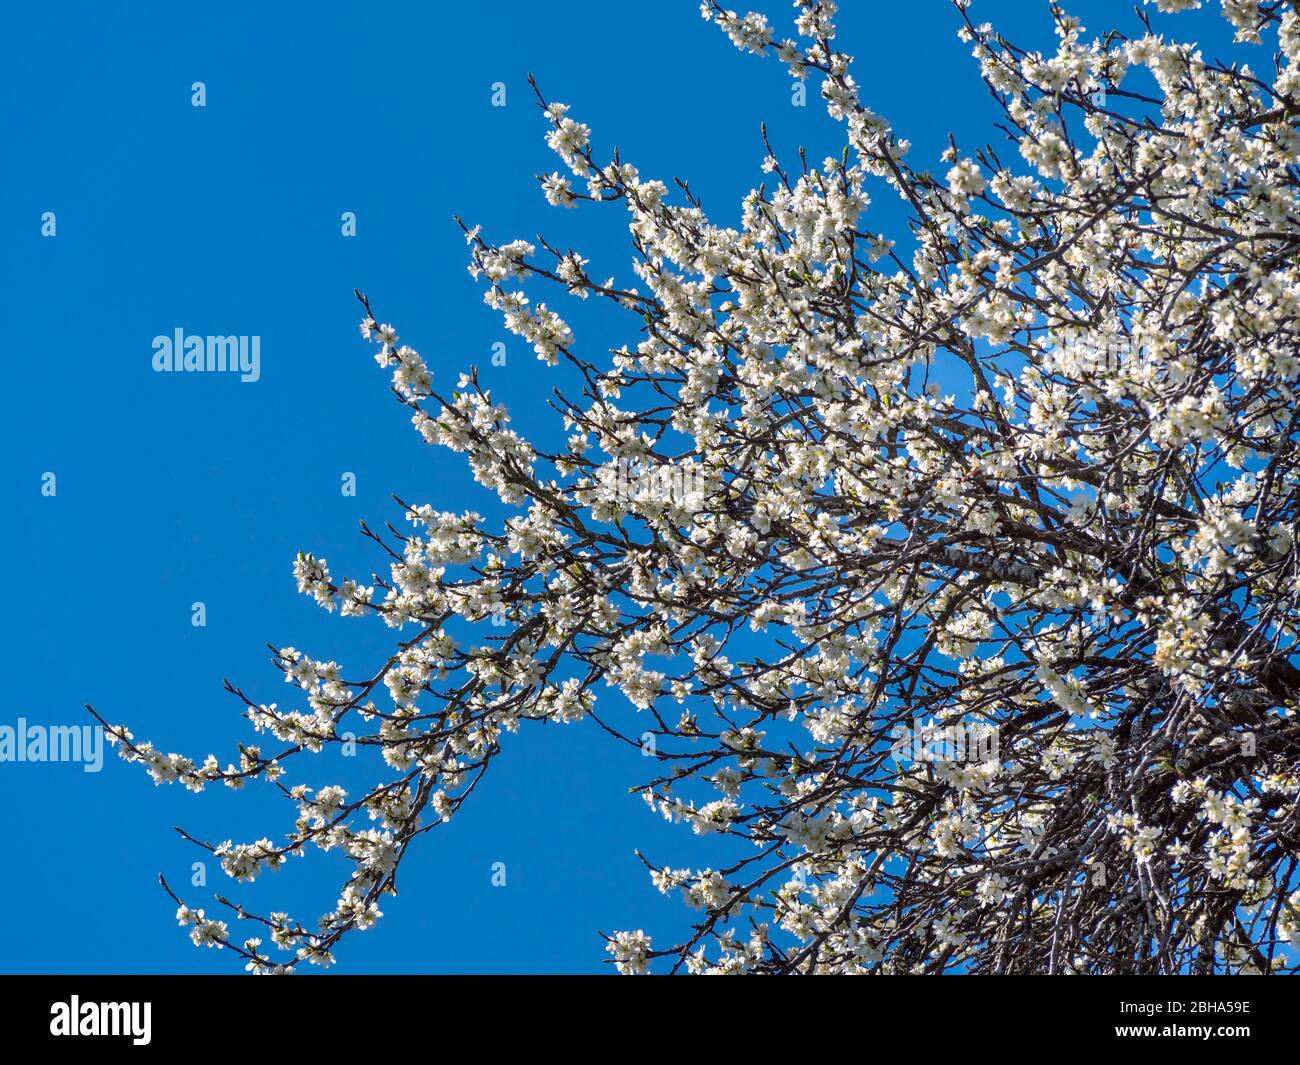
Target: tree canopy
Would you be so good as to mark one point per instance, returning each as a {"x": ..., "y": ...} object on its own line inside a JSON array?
[{"x": 952, "y": 571}]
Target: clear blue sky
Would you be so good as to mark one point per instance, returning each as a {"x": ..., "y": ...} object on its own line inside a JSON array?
[{"x": 181, "y": 488}]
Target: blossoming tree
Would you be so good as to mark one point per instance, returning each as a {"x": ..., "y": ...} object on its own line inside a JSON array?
[{"x": 1081, "y": 545}]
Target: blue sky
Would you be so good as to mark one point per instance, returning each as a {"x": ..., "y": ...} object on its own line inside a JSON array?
[{"x": 173, "y": 489}]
